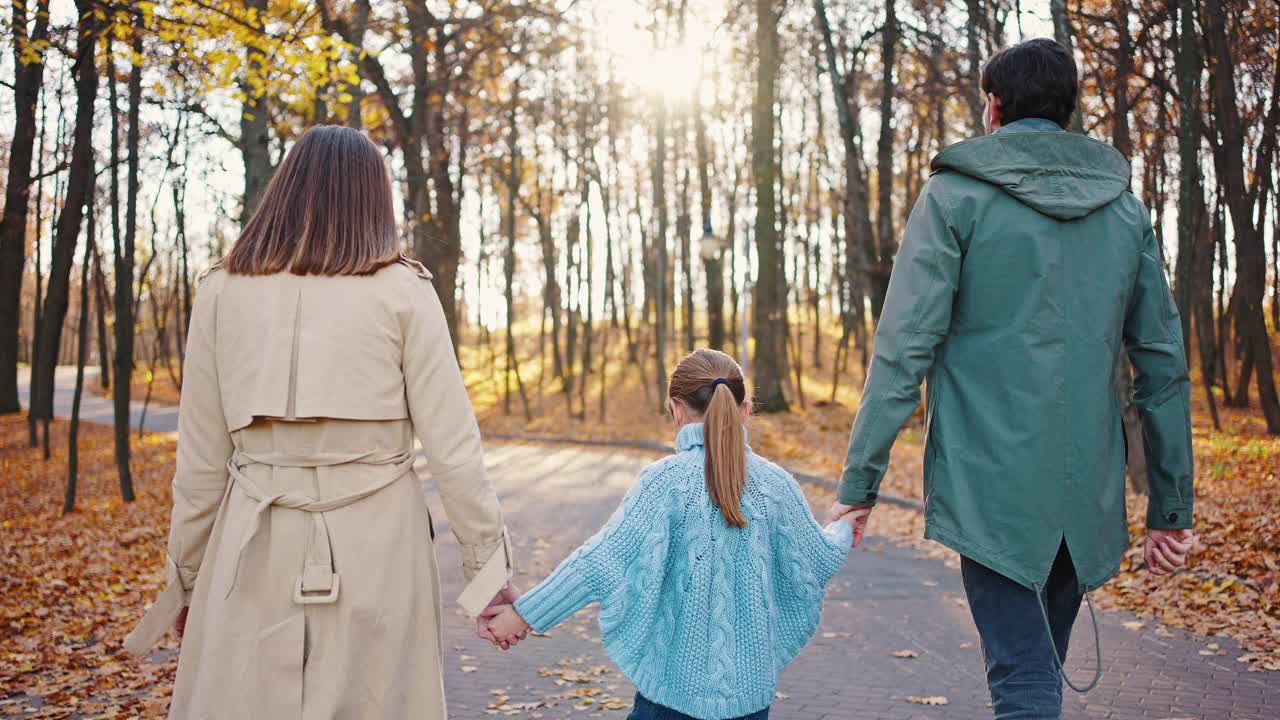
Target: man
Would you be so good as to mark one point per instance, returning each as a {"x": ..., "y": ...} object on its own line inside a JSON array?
[{"x": 1025, "y": 269}]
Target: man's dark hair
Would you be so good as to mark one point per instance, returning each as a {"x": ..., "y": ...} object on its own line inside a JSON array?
[{"x": 1033, "y": 79}]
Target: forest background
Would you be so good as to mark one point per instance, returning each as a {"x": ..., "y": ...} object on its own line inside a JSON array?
[{"x": 599, "y": 186}]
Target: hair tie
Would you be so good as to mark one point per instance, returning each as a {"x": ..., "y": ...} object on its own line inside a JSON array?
[{"x": 719, "y": 381}]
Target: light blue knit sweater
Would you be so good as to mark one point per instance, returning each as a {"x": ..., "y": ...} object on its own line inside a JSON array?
[{"x": 700, "y": 616}]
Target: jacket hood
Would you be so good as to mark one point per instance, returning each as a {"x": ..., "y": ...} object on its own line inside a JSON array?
[{"x": 1060, "y": 174}]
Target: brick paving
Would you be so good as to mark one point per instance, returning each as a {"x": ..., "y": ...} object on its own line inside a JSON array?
[{"x": 889, "y": 597}]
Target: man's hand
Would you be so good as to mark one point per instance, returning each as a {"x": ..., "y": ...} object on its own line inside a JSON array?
[
  {"x": 1167, "y": 550},
  {"x": 506, "y": 596},
  {"x": 855, "y": 515}
]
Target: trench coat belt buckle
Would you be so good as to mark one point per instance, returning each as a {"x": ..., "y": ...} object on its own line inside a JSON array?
[{"x": 318, "y": 584}]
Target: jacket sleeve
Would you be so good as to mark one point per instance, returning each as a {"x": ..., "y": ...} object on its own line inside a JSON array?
[
  {"x": 446, "y": 426},
  {"x": 204, "y": 445},
  {"x": 1162, "y": 391},
  {"x": 608, "y": 563},
  {"x": 915, "y": 319}
]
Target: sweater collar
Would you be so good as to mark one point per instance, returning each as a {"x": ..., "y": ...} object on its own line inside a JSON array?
[{"x": 691, "y": 436}]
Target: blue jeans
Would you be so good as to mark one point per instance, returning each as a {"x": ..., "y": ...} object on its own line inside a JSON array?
[
  {"x": 645, "y": 709},
  {"x": 1021, "y": 672}
]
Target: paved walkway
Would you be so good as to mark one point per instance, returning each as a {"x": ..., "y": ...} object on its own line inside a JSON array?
[
  {"x": 94, "y": 407},
  {"x": 887, "y": 599}
]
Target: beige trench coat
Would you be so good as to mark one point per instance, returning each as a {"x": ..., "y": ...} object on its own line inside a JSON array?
[{"x": 300, "y": 537}]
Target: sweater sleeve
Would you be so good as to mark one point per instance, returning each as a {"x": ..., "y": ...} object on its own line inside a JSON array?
[
  {"x": 824, "y": 548},
  {"x": 805, "y": 558},
  {"x": 600, "y": 566}
]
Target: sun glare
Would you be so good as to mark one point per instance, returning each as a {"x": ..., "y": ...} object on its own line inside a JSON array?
[{"x": 670, "y": 72}]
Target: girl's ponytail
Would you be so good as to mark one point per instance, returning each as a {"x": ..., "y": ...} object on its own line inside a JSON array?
[
  {"x": 726, "y": 454},
  {"x": 710, "y": 383}
]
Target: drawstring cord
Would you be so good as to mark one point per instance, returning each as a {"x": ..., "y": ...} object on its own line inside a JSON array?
[{"x": 1097, "y": 644}]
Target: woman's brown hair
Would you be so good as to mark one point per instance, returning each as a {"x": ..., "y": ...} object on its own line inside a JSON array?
[
  {"x": 327, "y": 211},
  {"x": 710, "y": 383}
]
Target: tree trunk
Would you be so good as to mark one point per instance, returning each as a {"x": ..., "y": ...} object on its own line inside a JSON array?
[
  {"x": 27, "y": 82},
  {"x": 360, "y": 17},
  {"x": 858, "y": 240},
  {"x": 1187, "y": 67},
  {"x": 887, "y": 243},
  {"x": 126, "y": 306},
  {"x": 82, "y": 344},
  {"x": 100, "y": 296},
  {"x": 712, "y": 257},
  {"x": 1201, "y": 301},
  {"x": 509, "y": 263},
  {"x": 973, "y": 97},
  {"x": 38, "y": 295},
  {"x": 1275, "y": 266},
  {"x": 684, "y": 232},
  {"x": 660, "y": 244},
  {"x": 444, "y": 252},
  {"x": 770, "y": 300},
  {"x": 1120, "y": 135},
  {"x": 254, "y": 118},
  {"x": 1063, "y": 34},
  {"x": 1250, "y": 249},
  {"x": 79, "y": 186}
]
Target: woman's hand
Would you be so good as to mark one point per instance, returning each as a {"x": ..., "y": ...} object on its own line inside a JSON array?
[{"x": 180, "y": 625}]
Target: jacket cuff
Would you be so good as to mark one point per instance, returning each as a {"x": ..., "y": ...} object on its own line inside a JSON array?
[
  {"x": 1169, "y": 517},
  {"x": 175, "y": 575},
  {"x": 854, "y": 492},
  {"x": 474, "y": 557},
  {"x": 555, "y": 598}
]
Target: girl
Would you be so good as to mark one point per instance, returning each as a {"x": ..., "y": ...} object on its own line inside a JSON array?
[
  {"x": 300, "y": 538},
  {"x": 710, "y": 576}
]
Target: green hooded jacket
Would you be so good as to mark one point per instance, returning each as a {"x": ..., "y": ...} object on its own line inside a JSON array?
[{"x": 1026, "y": 271}]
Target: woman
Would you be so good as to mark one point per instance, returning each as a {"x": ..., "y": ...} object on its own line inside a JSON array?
[{"x": 300, "y": 538}]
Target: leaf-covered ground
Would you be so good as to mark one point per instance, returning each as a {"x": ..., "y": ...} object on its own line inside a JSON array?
[{"x": 72, "y": 586}]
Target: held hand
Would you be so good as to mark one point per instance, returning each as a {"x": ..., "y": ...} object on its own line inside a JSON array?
[
  {"x": 506, "y": 596},
  {"x": 505, "y": 625},
  {"x": 1166, "y": 550},
  {"x": 855, "y": 515},
  {"x": 180, "y": 625}
]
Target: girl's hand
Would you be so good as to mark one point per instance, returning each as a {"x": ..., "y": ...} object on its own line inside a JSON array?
[
  {"x": 857, "y": 520},
  {"x": 505, "y": 624}
]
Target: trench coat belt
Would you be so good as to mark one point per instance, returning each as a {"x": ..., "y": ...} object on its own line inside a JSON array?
[{"x": 318, "y": 583}]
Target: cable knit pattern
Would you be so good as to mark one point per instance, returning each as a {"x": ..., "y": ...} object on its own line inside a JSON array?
[{"x": 700, "y": 616}]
